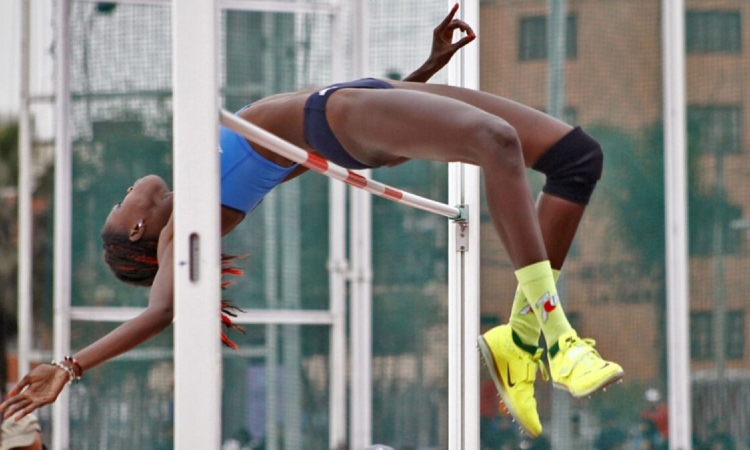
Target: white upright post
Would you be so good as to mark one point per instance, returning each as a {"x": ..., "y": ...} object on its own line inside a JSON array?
[
  {"x": 556, "y": 44},
  {"x": 361, "y": 318},
  {"x": 337, "y": 272},
  {"x": 271, "y": 289},
  {"x": 675, "y": 178},
  {"x": 197, "y": 251},
  {"x": 463, "y": 270},
  {"x": 63, "y": 216},
  {"x": 291, "y": 294},
  {"x": 25, "y": 196},
  {"x": 361, "y": 263}
]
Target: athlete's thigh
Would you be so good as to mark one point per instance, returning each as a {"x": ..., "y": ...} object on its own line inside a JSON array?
[
  {"x": 536, "y": 130},
  {"x": 382, "y": 126}
]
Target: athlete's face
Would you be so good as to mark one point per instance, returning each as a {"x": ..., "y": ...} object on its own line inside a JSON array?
[{"x": 144, "y": 211}]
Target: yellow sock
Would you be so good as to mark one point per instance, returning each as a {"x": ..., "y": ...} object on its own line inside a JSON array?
[
  {"x": 523, "y": 320},
  {"x": 538, "y": 285}
]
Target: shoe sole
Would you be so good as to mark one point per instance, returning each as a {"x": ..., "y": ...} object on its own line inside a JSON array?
[
  {"x": 486, "y": 353},
  {"x": 608, "y": 382}
]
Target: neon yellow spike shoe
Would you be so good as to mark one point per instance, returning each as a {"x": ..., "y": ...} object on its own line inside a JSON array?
[
  {"x": 578, "y": 368},
  {"x": 513, "y": 370}
]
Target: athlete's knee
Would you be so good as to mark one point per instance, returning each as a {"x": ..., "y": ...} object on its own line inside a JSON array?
[
  {"x": 498, "y": 146},
  {"x": 573, "y": 166}
]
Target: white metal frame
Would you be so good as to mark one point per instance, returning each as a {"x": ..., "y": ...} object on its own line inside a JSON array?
[
  {"x": 196, "y": 244},
  {"x": 360, "y": 282},
  {"x": 335, "y": 318},
  {"x": 675, "y": 179},
  {"x": 63, "y": 217},
  {"x": 463, "y": 268},
  {"x": 338, "y": 270},
  {"x": 25, "y": 196}
]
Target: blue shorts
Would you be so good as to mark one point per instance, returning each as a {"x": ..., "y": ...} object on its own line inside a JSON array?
[
  {"x": 317, "y": 131},
  {"x": 246, "y": 176}
]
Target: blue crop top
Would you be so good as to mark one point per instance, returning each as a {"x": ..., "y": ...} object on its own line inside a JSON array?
[{"x": 246, "y": 177}]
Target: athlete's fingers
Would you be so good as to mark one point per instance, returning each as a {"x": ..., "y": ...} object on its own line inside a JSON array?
[
  {"x": 18, "y": 405},
  {"x": 448, "y": 18},
  {"x": 19, "y": 387},
  {"x": 463, "y": 41},
  {"x": 460, "y": 25}
]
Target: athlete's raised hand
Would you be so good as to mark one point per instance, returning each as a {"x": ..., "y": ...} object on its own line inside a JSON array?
[{"x": 443, "y": 47}]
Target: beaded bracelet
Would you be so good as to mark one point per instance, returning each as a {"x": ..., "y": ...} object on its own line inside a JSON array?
[
  {"x": 74, "y": 361},
  {"x": 68, "y": 370}
]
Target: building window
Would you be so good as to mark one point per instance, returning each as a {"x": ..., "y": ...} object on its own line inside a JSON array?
[
  {"x": 713, "y": 32},
  {"x": 532, "y": 39},
  {"x": 702, "y": 335},
  {"x": 735, "y": 334},
  {"x": 716, "y": 128}
]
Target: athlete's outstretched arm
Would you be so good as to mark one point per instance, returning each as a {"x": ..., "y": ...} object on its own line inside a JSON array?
[
  {"x": 443, "y": 47},
  {"x": 44, "y": 383}
]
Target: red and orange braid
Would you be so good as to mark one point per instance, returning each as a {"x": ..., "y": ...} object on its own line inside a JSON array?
[
  {"x": 136, "y": 263},
  {"x": 228, "y": 310},
  {"x": 131, "y": 262}
]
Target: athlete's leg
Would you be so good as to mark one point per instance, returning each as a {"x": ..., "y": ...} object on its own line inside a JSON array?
[
  {"x": 558, "y": 218},
  {"x": 416, "y": 124},
  {"x": 536, "y": 130},
  {"x": 381, "y": 126}
]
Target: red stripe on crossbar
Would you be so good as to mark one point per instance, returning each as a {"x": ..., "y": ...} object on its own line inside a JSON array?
[
  {"x": 356, "y": 180},
  {"x": 393, "y": 194},
  {"x": 316, "y": 163}
]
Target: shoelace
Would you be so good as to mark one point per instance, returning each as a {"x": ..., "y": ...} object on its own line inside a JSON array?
[{"x": 537, "y": 360}]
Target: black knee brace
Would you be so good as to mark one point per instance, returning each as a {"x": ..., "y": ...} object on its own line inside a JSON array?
[{"x": 572, "y": 166}]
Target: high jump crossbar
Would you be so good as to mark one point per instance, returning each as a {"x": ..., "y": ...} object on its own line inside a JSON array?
[{"x": 325, "y": 167}]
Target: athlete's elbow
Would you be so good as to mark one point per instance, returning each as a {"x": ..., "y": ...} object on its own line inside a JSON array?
[{"x": 161, "y": 316}]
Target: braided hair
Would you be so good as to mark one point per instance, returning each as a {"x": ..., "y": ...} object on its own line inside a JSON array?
[
  {"x": 136, "y": 263},
  {"x": 133, "y": 262}
]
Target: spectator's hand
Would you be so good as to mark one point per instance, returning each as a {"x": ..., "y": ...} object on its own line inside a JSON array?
[
  {"x": 443, "y": 47},
  {"x": 40, "y": 387}
]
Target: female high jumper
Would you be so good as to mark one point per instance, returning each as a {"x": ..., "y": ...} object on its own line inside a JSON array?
[{"x": 371, "y": 123}]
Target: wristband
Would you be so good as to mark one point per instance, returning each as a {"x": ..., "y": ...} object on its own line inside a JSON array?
[
  {"x": 68, "y": 370},
  {"x": 75, "y": 364}
]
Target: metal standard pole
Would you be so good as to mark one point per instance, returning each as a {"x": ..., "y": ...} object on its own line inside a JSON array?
[
  {"x": 63, "y": 216},
  {"x": 337, "y": 272},
  {"x": 271, "y": 289},
  {"x": 196, "y": 242},
  {"x": 360, "y": 220},
  {"x": 25, "y": 196},
  {"x": 675, "y": 176},
  {"x": 463, "y": 270},
  {"x": 291, "y": 290},
  {"x": 556, "y": 45},
  {"x": 360, "y": 225}
]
